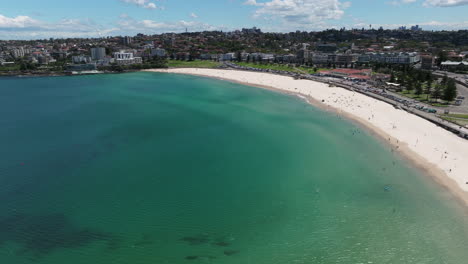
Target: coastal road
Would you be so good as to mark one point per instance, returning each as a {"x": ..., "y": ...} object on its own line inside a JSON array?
[{"x": 457, "y": 76}]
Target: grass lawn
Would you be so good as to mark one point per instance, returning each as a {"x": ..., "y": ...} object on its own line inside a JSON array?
[
  {"x": 463, "y": 121},
  {"x": 14, "y": 67},
  {"x": 279, "y": 67},
  {"x": 422, "y": 98},
  {"x": 462, "y": 116},
  {"x": 192, "y": 64}
]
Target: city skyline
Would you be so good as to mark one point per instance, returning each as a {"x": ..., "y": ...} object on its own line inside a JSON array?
[{"x": 30, "y": 19}]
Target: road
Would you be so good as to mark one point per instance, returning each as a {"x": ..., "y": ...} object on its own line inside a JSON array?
[{"x": 458, "y": 77}]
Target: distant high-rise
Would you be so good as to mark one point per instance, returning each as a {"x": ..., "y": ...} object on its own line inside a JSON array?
[
  {"x": 127, "y": 40},
  {"x": 253, "y": 30},
  {"x": 98, "y": 53},
  {"x": 326, "y": 48},
  {"x": 416, "y": 28}
]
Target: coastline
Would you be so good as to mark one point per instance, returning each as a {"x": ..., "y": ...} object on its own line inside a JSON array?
[
  {"x": 439, "y": 153},
  {"x": 55, "y": 74}
]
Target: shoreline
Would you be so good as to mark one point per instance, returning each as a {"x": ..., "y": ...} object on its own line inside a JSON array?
[
  {"x": 56, "y": 74},
  {"x": 431, "y": 143}
]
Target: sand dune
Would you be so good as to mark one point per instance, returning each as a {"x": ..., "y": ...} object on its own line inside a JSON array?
[{"x": 438, "y": 151}]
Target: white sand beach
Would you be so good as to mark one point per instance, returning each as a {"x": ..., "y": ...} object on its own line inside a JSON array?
[{"x": 441, "y": 153}]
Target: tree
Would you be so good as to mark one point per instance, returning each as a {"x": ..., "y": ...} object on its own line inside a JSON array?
[
  {"x": 421, "y": 76},
  {"x": 401, "y": 79},
  {"x": 418, "y": 89},
  {"x": 442, "y": 56},
  {"x": 444, "y": 80},
  {"x": 450, "y": 91},
  {"x": 429, "y": 77},
  {"x": 428, "y": 88},
  {"x": 437, "y": 91},
  {"x": 239, "y": 56},
  {"x": 410, "y": 85},
  {"x": 392, "y": 77}
]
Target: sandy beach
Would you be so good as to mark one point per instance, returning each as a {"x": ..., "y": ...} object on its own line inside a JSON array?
[{"x": 443, "y": 155}]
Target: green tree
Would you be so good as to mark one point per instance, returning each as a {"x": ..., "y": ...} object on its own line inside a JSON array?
[
  {"x": 442, "y": 56},
  {"x": 437, "y": 91},
  {"x": 392, "y": 77},
  {"x": 444, "y": 80},
  {"x": 409, "y": 85},
  {"x": 239, "y": 56},
  {"x": 421, "y": 76},
  {"x": 418, "y": 88},
  {"x": 450, "y": 91},
  {"x": 428, "y": 89}
]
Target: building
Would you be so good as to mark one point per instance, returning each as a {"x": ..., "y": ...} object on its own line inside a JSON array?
[
  {"x": 158, "y": 52},
  {"x": 427, "y": 62},
  {"x": 326, "y": 48},
  {"x": 45, "y": 59},
  {"x": 416, "y": 28},
  {"x": 303, "y": 54},
  {"x": 126, "y": 58},
  {"x": 81, "y": 59},
  {"x": 268, "y": 58},
  {"x": 127, "y": 40},
  {"x": 106, "y": 61},
  {"x": 227, "y": 57},
  {"x": 17, "y": 53},
  {"x": 320, "y": 59},
  {"x": 81, "y": 67},
  {"x": 253, "y": 30},
  {"x": 244, "y": 56},
  {"x": 208, "y": 57},
  {"x": 98, "y": 53},
  {"x": 454, "y": 65},
  {"x": 350, "y": 74},
  {"x": 345, "y": 59},
  {"x": 59, "y": 55},
  {"x": 289, "y": 58},
  {"x": 390, "y": 58}
]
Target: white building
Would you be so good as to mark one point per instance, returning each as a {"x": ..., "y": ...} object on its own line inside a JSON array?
[
  {"x": 125, "y": 58},
  {"x": 18, "y": 53},
  {"x": 81, "y": 59},
  {"x": 98, "y": 53},
  {"x": 390, "y": 58},
  {"x": 158, "y": 52},
  {"x": 227, "y": 57}
]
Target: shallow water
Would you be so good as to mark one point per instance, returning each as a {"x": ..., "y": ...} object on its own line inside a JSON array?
[{"x": 162, "y": 168}]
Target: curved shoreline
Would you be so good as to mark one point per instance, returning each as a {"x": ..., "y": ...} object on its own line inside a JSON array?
[{"x": 439, "y": 153}]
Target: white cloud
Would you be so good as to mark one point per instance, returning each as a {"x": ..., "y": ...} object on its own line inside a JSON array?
[
  {"x": 445, "y": 3},
  {"x": 193, "y": 15},
  {"x": 17, "y": 22},
  {"x": 151, "y": 6},
  {"x": 141, "y": 3},
  {"x": 401, "y": 2},
  {"x": 129, "y": 25},
  {"x": 429, "y": 25},
  {"x": 25, "y": 27},
  {"x": 299, "y": 11}
]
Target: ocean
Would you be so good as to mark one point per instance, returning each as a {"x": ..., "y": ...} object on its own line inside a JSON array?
[{"x": 148, "y": 168}]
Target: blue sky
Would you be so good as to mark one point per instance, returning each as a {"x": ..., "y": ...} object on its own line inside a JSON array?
[{"x": 29, "y": 19}]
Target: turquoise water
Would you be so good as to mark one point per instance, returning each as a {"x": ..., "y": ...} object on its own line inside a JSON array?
[{"x": 159, "y": 168}]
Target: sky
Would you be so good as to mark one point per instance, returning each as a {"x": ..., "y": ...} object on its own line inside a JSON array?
[{"x": 38, "y": 19}]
